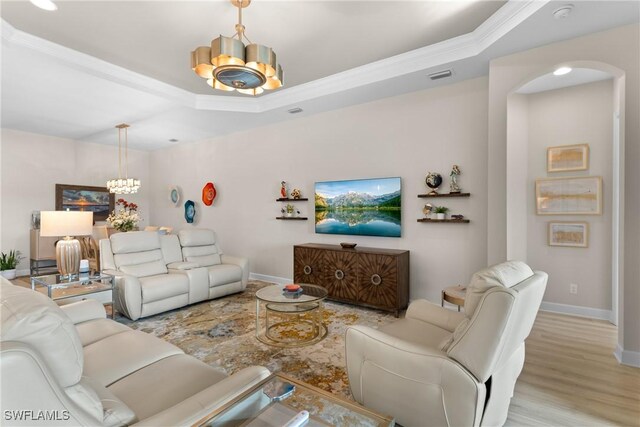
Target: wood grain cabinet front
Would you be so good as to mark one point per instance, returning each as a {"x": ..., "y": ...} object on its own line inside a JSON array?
[{"x": 370, "y": 277}]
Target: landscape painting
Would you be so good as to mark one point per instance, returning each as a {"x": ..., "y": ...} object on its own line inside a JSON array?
[
  {"x": 569, "y": 196},
  {"x": 573, "y": 234},
  {"x": 84, "y": 198},
  {"x": 365, "y": 207}
]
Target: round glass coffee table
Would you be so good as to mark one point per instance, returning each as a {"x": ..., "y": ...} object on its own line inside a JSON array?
[{"x": 290, "y": 320}]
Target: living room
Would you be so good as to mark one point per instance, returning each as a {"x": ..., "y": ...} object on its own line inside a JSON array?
[{"x": 487, "y": 117}]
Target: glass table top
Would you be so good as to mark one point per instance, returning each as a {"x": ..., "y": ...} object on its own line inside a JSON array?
[
  {"x": 62, "y": 287},
  {"x": 276, "y": 294},
  {"x": 257, "y": 407}
]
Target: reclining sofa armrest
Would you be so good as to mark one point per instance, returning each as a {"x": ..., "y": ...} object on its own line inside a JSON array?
[
  {"x": 83, "y": 311},
  {"x": 241, "y": 262},
  {"x": 127, "y": 294},
  {"x": 429, "y": 312},
  {"x": 182, "y": 265},
  {"x": 198, "y": 406}
]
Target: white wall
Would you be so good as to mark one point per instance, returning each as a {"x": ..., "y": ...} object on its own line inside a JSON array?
[
  {"x": 33, "y": 164},
  {"x": 616, "y": 51},
  {"x": 404, "y": 136},
  {"x": 575, "y": 115}
]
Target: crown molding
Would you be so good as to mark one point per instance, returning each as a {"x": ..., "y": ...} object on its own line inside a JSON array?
[{"x": 468, "y": 45}]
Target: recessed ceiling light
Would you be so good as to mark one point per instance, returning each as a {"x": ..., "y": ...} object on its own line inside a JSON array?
[
  {"x": 562, "y": 71},
  {"x": 295, "y": 110},
  {"x": 44, "y": 4},
  {"x": 173, "y": 140},
  {"x": 563, "y": 12}
]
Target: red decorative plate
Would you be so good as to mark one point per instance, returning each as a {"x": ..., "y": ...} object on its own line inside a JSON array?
[{"x": 208, "y": 193}]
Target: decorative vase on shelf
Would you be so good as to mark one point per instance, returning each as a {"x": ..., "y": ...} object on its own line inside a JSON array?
[{"x": 441, "y": 216}]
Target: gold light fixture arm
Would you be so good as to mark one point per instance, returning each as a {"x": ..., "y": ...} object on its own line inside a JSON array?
[{"x": 241, "y": 4}]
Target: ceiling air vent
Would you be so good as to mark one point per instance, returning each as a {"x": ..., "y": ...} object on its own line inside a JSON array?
[
  {"x": 295, "y": 110},
  {"x": 440, "y": 75}
]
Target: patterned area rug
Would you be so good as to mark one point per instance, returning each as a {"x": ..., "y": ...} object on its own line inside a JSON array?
[{"x": 222, "y": 333}]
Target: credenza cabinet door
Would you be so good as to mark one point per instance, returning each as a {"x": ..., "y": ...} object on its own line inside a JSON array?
[
  {"x": 340, "y": 275},
  {"x": 308, "y": 266},
  {"x": 378, "y": 280}
]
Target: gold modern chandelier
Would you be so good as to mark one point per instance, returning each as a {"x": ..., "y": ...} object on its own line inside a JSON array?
[
  {"x": 228, "y": 65},
  {"x": 124, "y": 185}
]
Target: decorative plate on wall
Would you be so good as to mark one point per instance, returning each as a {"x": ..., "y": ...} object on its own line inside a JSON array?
[
  {"x": 208, "y": 193},
  {"x": 189, "y": 211},
  {"x": 174, "y": 195}
]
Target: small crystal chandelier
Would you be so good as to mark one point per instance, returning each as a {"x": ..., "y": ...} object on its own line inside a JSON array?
[
  {"x": 228, "y": 65},
  {"x": 124, "y": 185}
]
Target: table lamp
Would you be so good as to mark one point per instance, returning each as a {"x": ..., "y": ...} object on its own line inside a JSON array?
[{"x": 68, "y": 224}]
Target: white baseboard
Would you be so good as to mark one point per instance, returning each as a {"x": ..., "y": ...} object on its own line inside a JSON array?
[
  {"x": 576, "y": 310},
  {"x": 626, "y": 357},
  {"x": 266, "y": 278}
]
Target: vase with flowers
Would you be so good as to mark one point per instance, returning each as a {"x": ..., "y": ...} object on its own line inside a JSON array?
[{"x": 125, "y": 216}]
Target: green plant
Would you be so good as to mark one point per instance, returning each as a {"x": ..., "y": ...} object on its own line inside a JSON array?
[
  {"x": 441, "y": 209},
  {"x": 290, "y": 208},
  {"x": 10, "y": 261}
]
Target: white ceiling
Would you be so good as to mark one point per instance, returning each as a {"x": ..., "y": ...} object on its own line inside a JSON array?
[
  {"x": 312, "y": 39},
  {"x": 50, "y": 89}
]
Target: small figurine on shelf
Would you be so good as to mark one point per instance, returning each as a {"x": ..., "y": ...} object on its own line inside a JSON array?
[
  {"x": 457, "y": 216},
  {"x": 283, "y": 211},
  {"x": 453, "y": 186},
  {"x": 297, "y": 212},
  {"x": 295, "y": 194},
  {"x": 428, "y": 208},
  {"x": 283, "y": 189},
  {"x": 290, "y": 209}
]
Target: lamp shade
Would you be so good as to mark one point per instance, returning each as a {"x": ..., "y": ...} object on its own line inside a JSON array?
[{"x": 66, "y": 223}]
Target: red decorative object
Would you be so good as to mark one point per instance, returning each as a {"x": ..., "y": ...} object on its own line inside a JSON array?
[
  {"x": 283, "y": 189},
  {"x": 292, "y": 287},
  {"x": 208, "y": 193}
]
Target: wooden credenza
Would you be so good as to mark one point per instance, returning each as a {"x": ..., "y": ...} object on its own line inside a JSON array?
[{"x": 369, "y": 277}]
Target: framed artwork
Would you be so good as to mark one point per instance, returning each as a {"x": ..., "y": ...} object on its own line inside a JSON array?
[
  {"x": 569, "y": 196},
  {"x": 84, "y": 198},
  {"x": 567, "y": 233},
  {"x": 568, "y": 158}
]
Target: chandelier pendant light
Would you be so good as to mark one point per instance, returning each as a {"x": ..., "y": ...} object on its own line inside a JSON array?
[
  {"x": 124, "y": 185},
  {"x": 228, "y": 65}
]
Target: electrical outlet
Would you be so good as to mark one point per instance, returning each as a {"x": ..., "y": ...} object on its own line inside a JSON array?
[{"x": 573, "y": 288}]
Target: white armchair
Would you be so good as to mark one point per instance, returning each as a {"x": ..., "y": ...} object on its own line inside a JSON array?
[{"x": 437, "y": 367}]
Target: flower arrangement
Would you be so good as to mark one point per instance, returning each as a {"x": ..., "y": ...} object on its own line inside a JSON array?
[{"x": 125, "y": 216}]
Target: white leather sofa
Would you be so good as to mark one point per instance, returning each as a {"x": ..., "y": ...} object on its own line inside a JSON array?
[
  {"x": 151, "y": 276},
  {"x": 227, "y": 274},
  {"x": 438, "y": 367},
  {"x": 76, "y": 367}
]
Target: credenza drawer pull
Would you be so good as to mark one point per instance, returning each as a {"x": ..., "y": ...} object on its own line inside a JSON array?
[
  {"x": 339, "y": 274},
  {"x": 307, "y": 269},
  {"x": 376, "y": 279}
]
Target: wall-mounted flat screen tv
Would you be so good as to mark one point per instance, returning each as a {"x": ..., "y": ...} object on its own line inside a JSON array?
[{"x": 364, "y": 207}]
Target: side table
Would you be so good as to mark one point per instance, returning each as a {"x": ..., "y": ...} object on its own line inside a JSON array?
[
  {"x": 63, "y": 287},
  {"x": 454, "y": 295}
]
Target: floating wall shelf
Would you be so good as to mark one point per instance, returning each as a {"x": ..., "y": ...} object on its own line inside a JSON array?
[
  {"x": 461, "y": 221},
  {"x": 286, "y": 199},
  {"x": 427, "y": 196},
  {"x": 299, "y": 218}
]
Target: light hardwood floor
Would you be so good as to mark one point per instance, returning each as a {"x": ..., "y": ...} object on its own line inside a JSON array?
[{"x": 571, "y": 378}]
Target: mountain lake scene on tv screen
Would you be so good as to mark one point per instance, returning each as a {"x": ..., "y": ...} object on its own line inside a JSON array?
[{"x": 366, "y": 207}]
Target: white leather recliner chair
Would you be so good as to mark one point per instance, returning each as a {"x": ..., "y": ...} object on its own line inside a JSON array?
[
  {"x": 438, "y": 367},
  {"x": 227, "y": 274}
]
